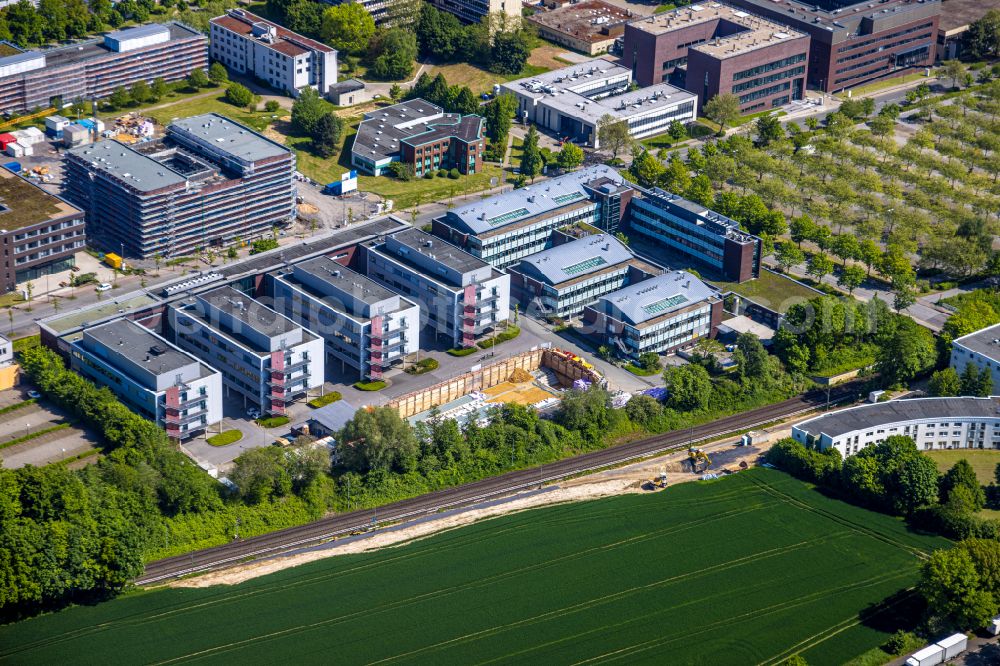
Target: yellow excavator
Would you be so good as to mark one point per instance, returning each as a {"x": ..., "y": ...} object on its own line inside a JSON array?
[{"x": 699, "y": 460}]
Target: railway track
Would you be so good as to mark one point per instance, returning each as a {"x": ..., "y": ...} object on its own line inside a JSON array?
[{"x": 341, "y": 524}]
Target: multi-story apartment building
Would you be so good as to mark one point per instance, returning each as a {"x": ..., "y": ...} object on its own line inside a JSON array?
[
  {"x": 207, "y": 183},
  {"x": 152, "y": 377},
  {"x": 572, "y": 101},
  {"x": 263, "y": 356},
  {"x": 39, "y": 232},
  {"x": 461, "y": 297},
  {"x": 473, "y": 11},
  {"x": 93, "y": 69},
  {"x": 661, "y": 314},
  {"x": 366, "y": 327},
  {"x": 982, "y": 350},
  {"x": 562, "y": 280},
  {"x": 248, "y": 44},
  {"x": 933, "y": 423},
  {"x": 713, "y": 49},
  {"x": 505, "y": 228},
  {"x": 421, "y": 135},
  {"x": 856, "y": 42},
  {"x": 689, "y": 228}
]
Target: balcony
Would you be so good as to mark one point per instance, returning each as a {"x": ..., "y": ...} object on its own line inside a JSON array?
[
  {"x": 282, "y": 380},
  {"x": 386, "y": 346},
  {"x": 178, "y": 419},
  {"x": 292, "y": 367},
  {"x": 184, "y": 404},
  {"x": 487, "y": 298}
]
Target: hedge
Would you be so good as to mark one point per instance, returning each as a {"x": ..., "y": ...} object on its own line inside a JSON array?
[{"x": 324, "y": 400}]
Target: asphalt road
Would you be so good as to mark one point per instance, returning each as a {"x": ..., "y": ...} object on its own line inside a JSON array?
[{"x": 240, "y": 551}]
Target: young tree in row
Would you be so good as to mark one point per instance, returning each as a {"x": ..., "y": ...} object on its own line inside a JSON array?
[
  {"x": 531, "y": 156},
  {"x": 723, "y": 109},
  {"x": 613, "y": 134},
  {"x": 851, "y": 277},
  {"x": 570, "y": 156},
  {"x": 788, "y": 255}
]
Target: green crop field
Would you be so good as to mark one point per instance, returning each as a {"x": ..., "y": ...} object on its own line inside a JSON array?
[{"x": 744, "y": 570}]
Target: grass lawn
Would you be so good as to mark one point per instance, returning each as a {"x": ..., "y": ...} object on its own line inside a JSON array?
[
  {"x": 183, "y": 105},
  {"x": 771, "y": 290},
  {"x": 272, "y": 421},
  {"x": 641, "y": 372},
  {"x": 12, "y": 298},
  {"x": 425, "y": 190},
  {"x": 225, "y": 438},
  {"x": 984, "y": 461},
  {"x": 861, "y": 91},
  {"x": 748, "y": 569},
  {"x": 742, "y": 120}
]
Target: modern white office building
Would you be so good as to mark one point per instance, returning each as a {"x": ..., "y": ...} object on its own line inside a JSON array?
[
  {"x": 933, "y": 423},
  {"x": 249, "y": 44},
  {"x": 571, "y": 101},
  {"x": 560, "y": 281},
  {"x": 981, "y": 349},
  {"x": 264, "y": 357},
  {"x": 661, "y": 314},
  {"x": 366, "y": 327},
  {"x": 151, "y": 376},
  {"x": 462, "y": 297},
  {"x": 505, "y": 228}
]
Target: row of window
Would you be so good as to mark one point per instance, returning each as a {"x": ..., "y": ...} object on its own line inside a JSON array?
[
  {"x": 764, "y": 80},
  {"x": 769, "y": 67},
  {"x": 765, "y": 92}
]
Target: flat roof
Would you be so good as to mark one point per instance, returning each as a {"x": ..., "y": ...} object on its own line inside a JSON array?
[
  {"x": 99, "y": 311},
  {"x": 659, "y": 295},
  {"x": 95, "y": 48},
  {"x": 873, "y": 415},
  {"x": 230, "y": 137},
  {"x": 961, "y": 13},
  {"x": 138, "y": 171},
  {"x": 576, "y": 259},
  {"x": 464, "y": 128},
  {"x": 587, "y": 21},
  {"x": 757, "y": 32},
  {"x": 985, "y": 342},
  {"x": 594, "y": 88},
  {"x": 23, "y": 204},
  {"x": 291, "y": 43},
  {"x": 415, "y": 122},
  {"x": 346, "y": 280},
  {"x": 139, "y": 31},
  {"x": 249, "y": 311},
  {"x": 513, "y": 207},
  {"x": 840, "y": 16},
  {"x": 335, "y": 415},
  {"x": 438, "y": 250},
  {"x": 141, "y": 346}
]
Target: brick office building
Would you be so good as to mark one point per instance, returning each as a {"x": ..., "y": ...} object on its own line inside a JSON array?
[
  {"x": 715, "y": 49},
  {"x": 857, "y": 42}
]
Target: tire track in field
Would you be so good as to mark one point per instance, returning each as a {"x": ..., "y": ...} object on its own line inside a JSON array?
[
  {"x": 644, "y": 646},
  {"x": 847, "y": 522},
  {"x": 479, "y": 582}
]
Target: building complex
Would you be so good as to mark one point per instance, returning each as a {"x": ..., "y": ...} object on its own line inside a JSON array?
[
  {"x": 151, "y": 376},
  {"x": 591, "y": 26},
  {"x": 462, "y": 298},
  {"x": 264, "y": 357},
  {"x": 661, "y": 314},
  {"x": 505, "y": 228},
  {"x": 253, "y": 46},
  {"x": 560, "y": 281},
  {"x": 420, "y": 135},
  {"x": 690, "y": 229},
  {"x": 474, "y": 11},
  {"x": 933, "y": 423},
  {"x": 39, "y": 232},
  {"x": 982, "y": 350},
  {"x": 209, "y": 182},
  {"x": 572, "y": 101},
  {"x": 856, "y": 42},
  {"x": 365, "y": 326},
  {"x": 713, "y": 49},
  {"x": 93, "y": 69}
]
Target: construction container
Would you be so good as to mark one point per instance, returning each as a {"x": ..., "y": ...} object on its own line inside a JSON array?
[
  {"x": 14, "y": 149},
  {"x": 54, "y": 125},
  {"x": 75, "y": 135},
  {"x": 6, "y": 139},
  {"x": 13, "y": 166},
  {"x": 31, "y": 135},
  {"x": 994, "y": 627},
  {"x": 93, "y": 124},
  {"x": 928, "y": 656},
  {"x": 113, "y": 260},
  {"x": 953, "y": 646}
]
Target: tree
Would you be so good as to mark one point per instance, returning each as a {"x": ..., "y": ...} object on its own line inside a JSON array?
[
  {"x": 801, "y": 228},
  {"x": 119, "y": 98},
  {"x": 819, "y": 266},
  {"x": 307, "y": 110},
  {"x": 851, "y": 277},
  {"x": 676, "y": 177},
  {"x": 238, "y": 94},
  {"x": 217, "y": 73},
  {"x": 844, "y": 247},
  {"x": 723, "y": 109},
  {"x": 613, "y": 134},
  {"x": 347, "y": 27},
  {"x": 392, "y": 53},
  {"x": 649, "y": 361},
  {"x": 140, "y": 92},
  {"x": 465, "y": 102},
  {"x": 328, "y": 134},
  {"x": 768, "y": 129},
  {"x": 689, "y": 387},
  {"x": 954, "y": 70},
  {"x": 975, "y": 382},
  {"x": 903, "y": 294},
  {"x": 509, "y": 53},
  {"x": 869, "y": 254},
  {"x": 961, "y": 475},
  {"x": 260, "y": 474},
  {"x": 158, "y": 89},
  {"x": 983, "y": 37},
  {"x": 907, "y": 353},
  {"x": 197, "y": 79},
  {"x": 26, "y": 24},
  {"x": 646, "y": 169},
  {"x": 700, "y": 191},
  {"x": 788, "y": 255},
  {"x": 377, "y": 439},
  {"x": 944, "y": 383},
  {"x": 531, "y": 157},
  {"x": 954, "y": 591},
  {"x": 677, "y": 131},
  {"x": 570, "y": 156},
  {"x": 499, "y": 116}
]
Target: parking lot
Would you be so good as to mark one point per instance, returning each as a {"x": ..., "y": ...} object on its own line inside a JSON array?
[{"x": 45, "y": 449}]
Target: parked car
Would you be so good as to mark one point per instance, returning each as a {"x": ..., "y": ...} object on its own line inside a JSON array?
[
  {"x": 253, "y": 413},
  {"x": 104, "y": 286}
]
